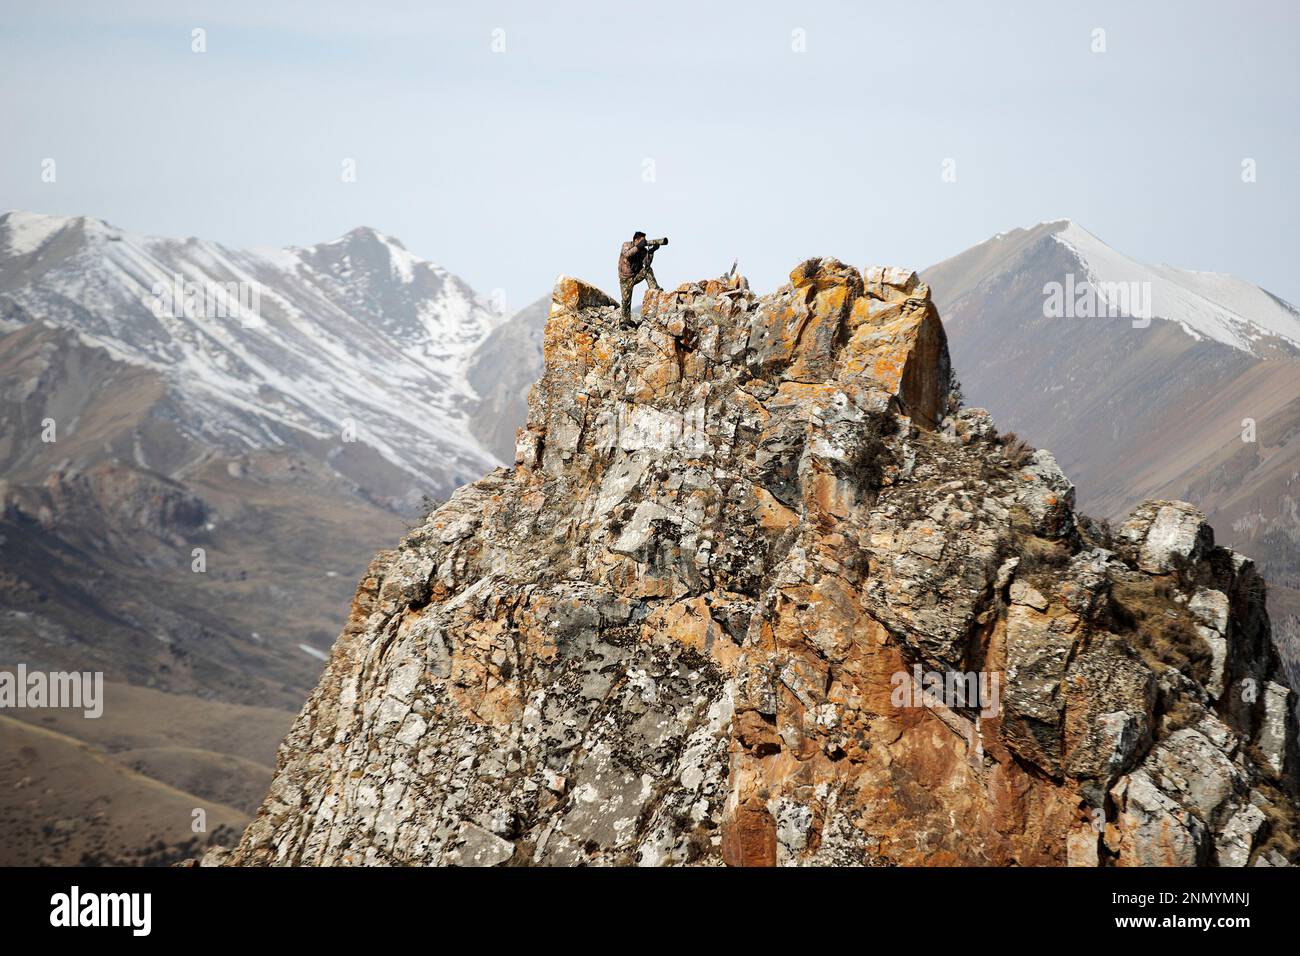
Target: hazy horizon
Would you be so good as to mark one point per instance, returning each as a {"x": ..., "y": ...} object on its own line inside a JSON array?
[{"x": 509, "y": 143}]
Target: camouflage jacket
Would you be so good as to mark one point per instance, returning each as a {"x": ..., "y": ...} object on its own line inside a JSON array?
[{"x": 631, "y": 258}]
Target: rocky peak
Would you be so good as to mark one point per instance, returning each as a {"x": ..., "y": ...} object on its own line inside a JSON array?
[{"x": 756, "y": 592}]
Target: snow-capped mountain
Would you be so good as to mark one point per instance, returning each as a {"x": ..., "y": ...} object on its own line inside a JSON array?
[
  {"x": 200, "y": 446},
  {"x": 352, "y": 340},
  {"x": 1211, "y": 305}
]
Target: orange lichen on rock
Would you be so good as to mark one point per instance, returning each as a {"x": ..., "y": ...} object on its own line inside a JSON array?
[{"x": 755, "y": 593}]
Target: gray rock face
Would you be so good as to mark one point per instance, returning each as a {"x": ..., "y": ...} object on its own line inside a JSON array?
[
  {"x": 1123, "y": 407},
  {"x": 1163, "y": 536},
  {"x": 1212, "y": 610},
  {"x": 752, "y": 594},
  {"x": 1277, "y": 732},
  {"x": 1048, "y": 496},
  {"x": 1153, "y": 828}
]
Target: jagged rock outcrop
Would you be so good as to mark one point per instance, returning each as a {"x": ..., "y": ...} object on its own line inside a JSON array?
[{"x": 756, "y": 592}]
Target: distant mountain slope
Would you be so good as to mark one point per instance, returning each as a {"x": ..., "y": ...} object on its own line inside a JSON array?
[
  {"x": 68, "y": 804},
  {"x": 502, "y": 371},
  {"x": 281, "y": 434},
  {"x": 1138, "y": 409},
  {"x": 354, "y": 337},
  {"x": 1207, "y": 305},
  {"x": 200, "y": 450}
]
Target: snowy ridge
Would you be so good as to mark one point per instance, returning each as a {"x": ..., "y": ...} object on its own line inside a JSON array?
[
  {"x": 1207, "y": 305},
  {"x": 354, "y": 333}
]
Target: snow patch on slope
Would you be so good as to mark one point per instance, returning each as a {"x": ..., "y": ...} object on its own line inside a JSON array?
[
  {"x": 1206, "y": 305},
  {"x": 355, "y": 334},
  {"x": 25, "y": 232}
]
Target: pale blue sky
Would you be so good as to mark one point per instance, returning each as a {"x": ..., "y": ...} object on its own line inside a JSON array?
[{"x": 508, "y": 168}]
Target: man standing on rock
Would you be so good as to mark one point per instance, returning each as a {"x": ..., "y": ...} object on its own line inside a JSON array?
[{"x": 634, "y": 266}]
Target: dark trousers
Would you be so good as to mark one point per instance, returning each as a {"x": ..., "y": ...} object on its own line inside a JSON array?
[{"x": 646, "y": 275}]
